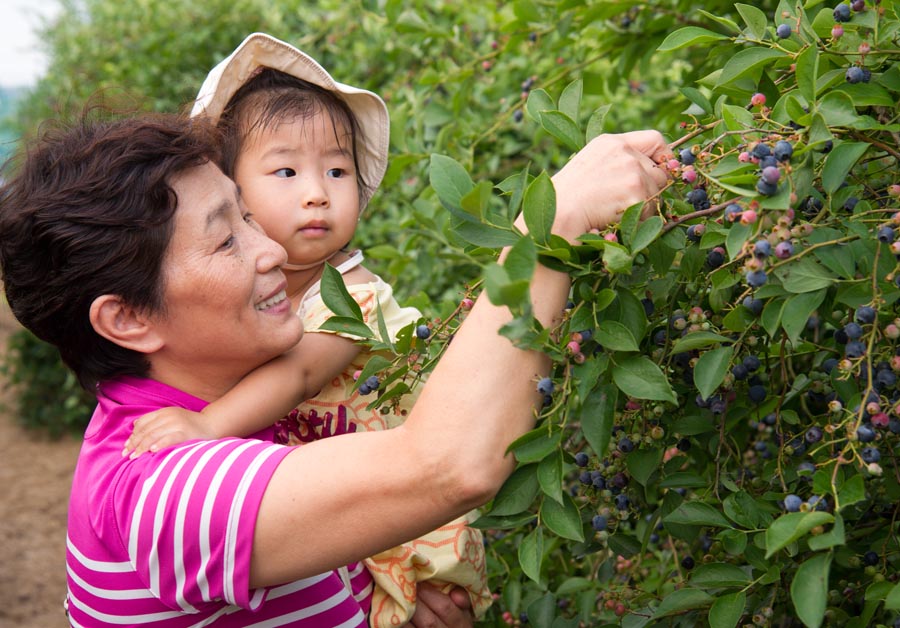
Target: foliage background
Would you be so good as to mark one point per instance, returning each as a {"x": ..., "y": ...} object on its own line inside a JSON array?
[{"x": 457, "y": 78}]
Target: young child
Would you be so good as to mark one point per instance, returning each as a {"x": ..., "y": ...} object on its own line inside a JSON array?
[{"x": 307, "y": 153}]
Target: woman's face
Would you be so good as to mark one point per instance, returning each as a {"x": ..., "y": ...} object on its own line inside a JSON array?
[{"x": 226, "y": 310}]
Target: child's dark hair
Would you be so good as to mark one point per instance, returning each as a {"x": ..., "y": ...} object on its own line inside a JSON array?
[
  {"x": 89, "y": 211},
  {"x": 272, "y": 97}
]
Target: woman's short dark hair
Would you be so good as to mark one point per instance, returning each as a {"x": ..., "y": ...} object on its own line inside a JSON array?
[
  {"x": 88, "y": 211},
  {"x": 273, "y": 97}
]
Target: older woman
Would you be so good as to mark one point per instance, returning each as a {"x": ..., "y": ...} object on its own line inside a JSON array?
[{"x": 125, "y": 246}]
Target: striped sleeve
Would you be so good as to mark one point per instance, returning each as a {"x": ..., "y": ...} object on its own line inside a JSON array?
[{"x": 191, "y": 525}]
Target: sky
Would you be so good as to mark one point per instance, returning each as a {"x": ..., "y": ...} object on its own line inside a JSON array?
[{"x": 21, "y": 62}]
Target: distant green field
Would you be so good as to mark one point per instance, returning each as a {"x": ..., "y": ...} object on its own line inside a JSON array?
[{"x": 9, "y": 99}]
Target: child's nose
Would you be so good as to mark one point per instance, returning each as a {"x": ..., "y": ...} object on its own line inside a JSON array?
[{"x": 315, "y": 194}]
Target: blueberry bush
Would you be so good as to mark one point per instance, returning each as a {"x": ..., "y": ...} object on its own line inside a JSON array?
[{"x": 719, "y": 436}]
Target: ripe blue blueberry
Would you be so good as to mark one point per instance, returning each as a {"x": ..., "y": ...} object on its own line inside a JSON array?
[
  {"x": 622, "y": 501},
  {"x": 373, "y": 382},
  {"x": 784, "y": 250},
  {"x": 754, "y": 305},
  {"x": 687, "y": 157},
  {"x": 598, "y": 481},
  {"x": 806, "y": 468},
  {"x": 364, "y": 389},
  {"x": 865, "y": 433},
  {"x": 858, "y": 5},
  {"x": 792, "y": 503},
  {"x": 762, "y": 249},
  {"x": 756, "y": 278},
  {"x": 854, "y": 331},
  {"x": 816, "y": 502},
  {"x": 870, "y": 559},
  {"x": 766, "y": 189},
  {"x": 715, "y": 258},
  {"x": 850, "y": 203},
  {"x": 768, "y": 161},
  {"x": 783, "y": 31},
  {"x": 648, "y": 306},
  {"x": 813, "y": 434},
  {"x": 783, "y": 150},
  {"x": 585, "y": 477},
  {"x": 422, "y": 331},
  {"x": 581, "y": 459},
  {"x": 625, "y": 445},
  {"x": 599, "y": 523},
  {"x": 697, "y": 195},
  {"x": 692, "y": 234},
  {"x": 855, "y": 349},
  {"x": 757, "y": 393},
  {"x": 854, "y": 74},
  {"x": 870, "y": 454},
  {"x": 866, "y": 314},
  {"x": 842, "y": 13},
  {"x": 752, "y": 363},
  {"x": 761, "y": 150},
  {"x": 687, "y": 562},
  {"x": 740, "y": 372},
  {"x": 885, "y": 234},
  {"x": 545, "y": 386}
]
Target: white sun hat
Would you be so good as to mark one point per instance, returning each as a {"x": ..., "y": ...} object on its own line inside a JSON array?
[{"x": 264, "y": 51}]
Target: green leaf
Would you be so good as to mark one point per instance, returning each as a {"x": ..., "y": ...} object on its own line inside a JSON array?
[
  {"x": 837, "y": 109},
  {"x": 754, "y": 18},
  {"x": 481, "y": 234},
  {"x": 502, "y": 290},
  {"x": 684, "y": 479},
  {"x": 830, "y": 539},
  {"x": 531, "y": 553},
  {"x": 595, "y": 123},
  {"x": 538, "y": 101},
  {"x": 892, "y": 601},
  {"x": 563, "y": 519},
  {"x": 476, "y": 200},
  {"x": 714, "y": 575},
  {"x": 639, "y": 377},
  {"x": 726, "y": 611},
  {"x": 570, "y": 99},
  {"x": 563, "y": 128},
  {"x": 542, "y": 611},
  {"x": 646, "y": 233},
  {"x": 597, "y": 416},
  {"x": 550, "y": 474},
  {"x": 737, "y": 236},
  {"x": 797, "y": 310},
  {"x": 806, "y": 72},
  {"x": 539, "y": 208},
  {"x": 642, "y": 463},
  {"x": 697, "y": 97},
  {"x": 517, "y": 493},
  {"x": 697, "y": 514},
  {"x": 682, "y": 600},
  {"x": 698, "y": 340},
  {"x": 791, "y": 526},
  {"x": 615, "y": 336},
  {"x": 450, "y": 181},
  {"x": 711, "y": 369},
  {"x": 536, "y": 444},
  {"x": 521, "y": 260},
  {"x": 852, "y": 491},
  {"x": 349, "y": 326},
  {"x": 747, "y": 60},
  {"x": 336, "y": 296},
  {"x": 688, "y": 36},
  {"x": 804, "y": 275},
  {"x": 839, "y": 162},
  {"x": 809, "y": 590}
]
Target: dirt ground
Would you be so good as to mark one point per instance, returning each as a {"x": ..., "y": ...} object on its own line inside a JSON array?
[{"x": 35, "y": 474}]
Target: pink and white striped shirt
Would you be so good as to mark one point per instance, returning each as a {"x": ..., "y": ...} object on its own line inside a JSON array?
[{"x": 164, "y": 540}]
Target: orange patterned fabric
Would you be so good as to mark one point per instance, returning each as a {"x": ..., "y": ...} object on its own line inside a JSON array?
[{"x": 452, "y": 555}]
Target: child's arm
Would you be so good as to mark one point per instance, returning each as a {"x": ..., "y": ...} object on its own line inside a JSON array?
[{"x": 261, "y": 398}]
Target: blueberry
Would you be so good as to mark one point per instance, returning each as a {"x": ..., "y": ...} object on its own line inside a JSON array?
[
  {"x": 813, "y": 434},
  {"x": 762, "y": 249},
  {"x": 696, "y": 196},
  {"x": 855, "y": 349},
  {"x": 858, "y": 5},
  {"x": 792, "y": 503},
  {"x": 761, "y": 150},
  {"x": 585, "y": 477},
  {"x": 518, "y": 115},
  {"x": 771, "y": 174},
  {"x": 866, "y": 314},
  {"x": 827, "y": 146},
  {"x": 783, "y": 150},
  {"x": 622, "y": 501},
  {"x": 865, "y": 434},
  {"x": 364, "y": 389},
  {"x": 687, "y": 157},
  {"x": 885, "y": 234},
  {"x": 692, "y": 234},
  {"x": 752, "y": 363},
  {"x": 866, "y": 75},
  {"x": 768, "y": 161},
  {"x": 842, "y": 13},
  {"x": 766, "y": 189},
  {"x": 783, "y": 31},
  {"x": 715, "y": 258},
  {"x": 854, "y": 74},
  {"x": 757, "y": 393},
  {"x": 756, "y": 278},
  {"x": 586, "y": 335},
  {"x": 885, "y": 378},
  {"x": 870, "y": 559},
  {"x": 683, "y": 444},
  {"x": 422, "y": 331},
  {"x": 687, "y": 562},
  {"x": 373, "y": 382},
  {"x": 784, "y": 250},
  {"x": 545, "y": 386},
  {"x": 598, "y": 481},
  {"x": 740, "y": 372},
  {"x": 754, "y": 305},
  {"x": 829, "y": 364},
  {"x": 806, "y": 468},
  {"x": 770, "y": 419},
  {"x": 599, "y": 523},
  {"x": 816, "y": 502},
  {"x": 625, "y": 445},
  {"x": 648, "y": 306},
  {"x": 870, "y": 454},
  {"x": 850, "y": 203},
  {"x": 854, "y": 331},
  {"x": 894, "y": 426}
]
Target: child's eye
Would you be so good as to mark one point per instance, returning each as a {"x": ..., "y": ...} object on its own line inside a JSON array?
[
  {"x": 337, "y": 173},
  {"x": 284, "y": 173}
]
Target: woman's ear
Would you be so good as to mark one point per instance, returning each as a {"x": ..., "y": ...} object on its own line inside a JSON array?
[{"x": 124, "y": 325}]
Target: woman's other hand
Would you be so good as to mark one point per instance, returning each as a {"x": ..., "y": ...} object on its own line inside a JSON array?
[{"x": 441, "y": 610}]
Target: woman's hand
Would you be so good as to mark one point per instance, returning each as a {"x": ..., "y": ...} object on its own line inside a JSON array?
[
  {"x": 440, "y": 610},
  {"x": 610, "y": 174},
  {"x": 165, "y": 427}
]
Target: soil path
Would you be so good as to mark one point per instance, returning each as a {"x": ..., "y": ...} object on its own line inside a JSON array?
[{"x": 35, "y": 475}]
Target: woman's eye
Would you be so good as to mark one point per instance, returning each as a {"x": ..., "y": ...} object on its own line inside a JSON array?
[
  {"x": 227, "y": 243},
  {"x": 284, "y": 173}
]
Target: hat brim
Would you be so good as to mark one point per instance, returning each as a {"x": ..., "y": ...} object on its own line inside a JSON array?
[{"x": 260, "y": 50}]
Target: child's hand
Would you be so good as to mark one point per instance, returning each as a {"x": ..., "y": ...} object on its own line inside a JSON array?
[{"x": 164, "y": 427}]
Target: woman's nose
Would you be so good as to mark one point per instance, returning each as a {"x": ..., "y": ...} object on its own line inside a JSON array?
[{"x": 269, "y": 254}]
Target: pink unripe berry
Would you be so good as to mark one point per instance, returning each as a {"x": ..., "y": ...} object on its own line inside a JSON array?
[
  {"x": 894, "y": 189},
  {"x": 835, "y": 406},
  {"x": 895, "y": 247},
  {"x": 486, "y": 66},
  {"x": 880, "y": 420},
  {"x": 784, "y": 250},
  {"x": 837, "y": 31},
  {"x": 573, "y": 347},
  {"x": 895, "y": 363},
  {"x": 688, "y": 174},
  {"x": 744, "y": 157},
  {"x": 873, "y": 408},
  {"x": 356, "y": 374},
  {"x": 873, "y": 468},
  {"x": 633, "y": 404},
  {"x": 896, "y": 218},
  {"x": 578, "y": 358},
  {"x": 758, "y": 99},
  {"x": 467, "y": 303},
  {"x": 610, "y": 237},
  {"x": 864, "y": 48},
  {"x": 771, "y": 174},
  {"x": 673, "y": 164},
  {"x": 892, "y": 331},
  {"x": 748, "y": 217}
]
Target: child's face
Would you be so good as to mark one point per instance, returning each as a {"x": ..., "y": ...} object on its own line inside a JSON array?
[{"x": 299, "y": 182}]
